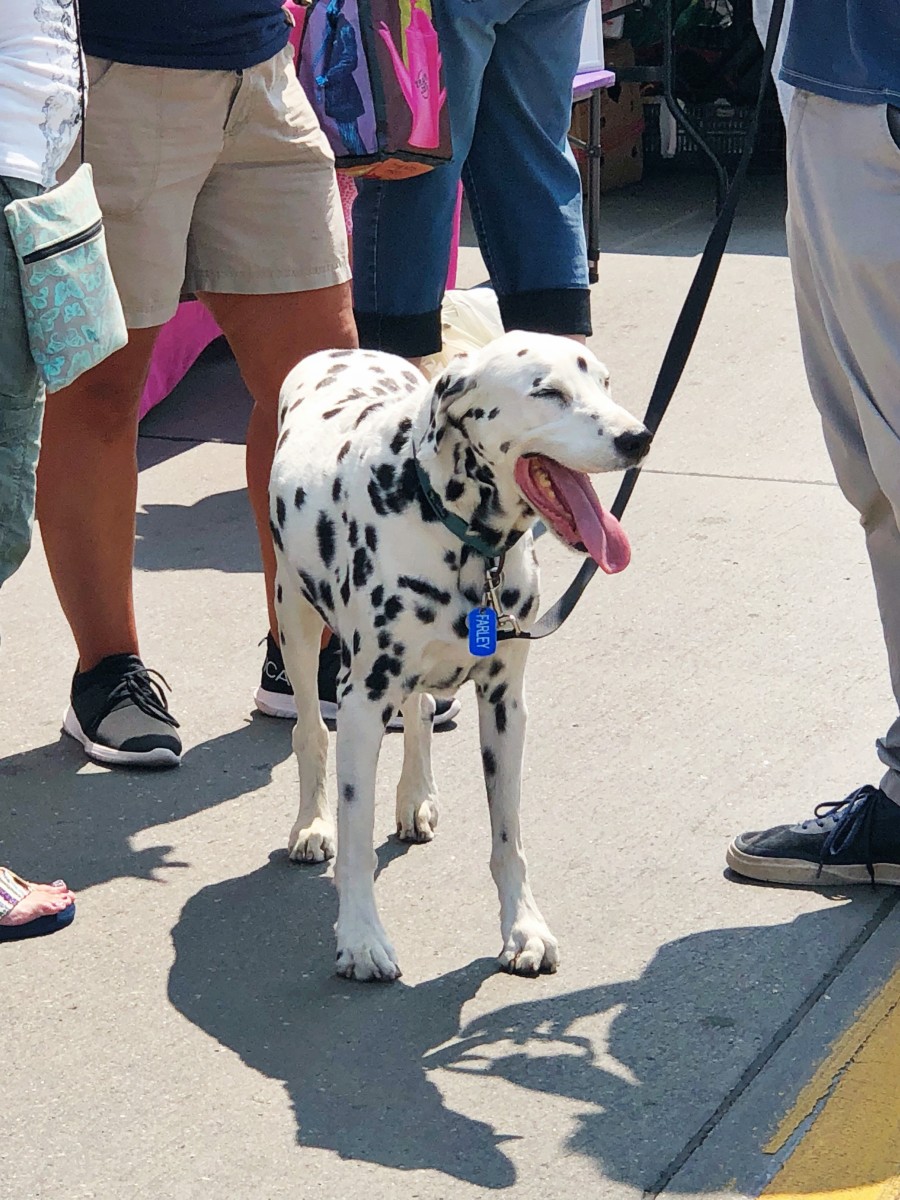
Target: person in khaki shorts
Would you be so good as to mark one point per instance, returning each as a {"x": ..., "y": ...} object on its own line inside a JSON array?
[{"x": 214, "y": 178}]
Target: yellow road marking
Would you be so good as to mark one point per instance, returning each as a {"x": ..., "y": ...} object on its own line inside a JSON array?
[{"x": 852, "y": 1148}]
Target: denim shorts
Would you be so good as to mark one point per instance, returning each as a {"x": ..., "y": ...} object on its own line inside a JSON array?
[
  {"x": 509, "y": 67},
  {"x": 21, "y": 400}
]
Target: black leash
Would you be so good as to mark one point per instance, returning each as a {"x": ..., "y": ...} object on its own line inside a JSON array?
[{"x": 682, "y": 341}]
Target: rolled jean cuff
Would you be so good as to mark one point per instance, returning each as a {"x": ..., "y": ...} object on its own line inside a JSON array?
[
  {"x": 548, "y": 310},
  {"x": 410, "y": 336}
]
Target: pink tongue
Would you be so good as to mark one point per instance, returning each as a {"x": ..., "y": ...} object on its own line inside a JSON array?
[{"x": 603, "y": 537}]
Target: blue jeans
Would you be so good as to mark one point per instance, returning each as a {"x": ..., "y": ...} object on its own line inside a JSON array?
[
  {"x": 509, "y": 67},
  {"x": 21, "y": 400}
]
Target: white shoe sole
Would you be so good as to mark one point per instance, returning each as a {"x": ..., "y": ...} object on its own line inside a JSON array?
[
  {"x": 108, "y": 757},
  {"x": 276, "y": 704},
  {"x": 799, "y": 872}
]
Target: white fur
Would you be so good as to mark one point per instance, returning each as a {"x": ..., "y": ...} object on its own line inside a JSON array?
[{"x": 365, "y": 556}]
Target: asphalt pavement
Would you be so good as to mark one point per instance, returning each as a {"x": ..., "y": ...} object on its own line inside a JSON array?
[{"x": 187, "y": 1039}]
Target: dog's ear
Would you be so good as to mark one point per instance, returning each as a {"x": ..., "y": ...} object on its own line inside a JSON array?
[{"x": 454, "y": 381}]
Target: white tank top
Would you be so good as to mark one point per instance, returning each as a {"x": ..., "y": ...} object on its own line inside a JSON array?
[{"x": 39, "y": 76}]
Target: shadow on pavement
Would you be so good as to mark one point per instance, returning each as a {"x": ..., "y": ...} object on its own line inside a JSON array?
[
  {"x": 82, "y": 821},
  {"x": 647, "y": 1060}
]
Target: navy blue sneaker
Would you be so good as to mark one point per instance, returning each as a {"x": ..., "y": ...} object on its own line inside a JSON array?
[
  {"x": 275, "y": 696},
  {"x": 856, "y": 840}
]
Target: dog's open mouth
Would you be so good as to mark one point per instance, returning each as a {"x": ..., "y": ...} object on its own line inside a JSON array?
[{"x": 568, "y": 503}]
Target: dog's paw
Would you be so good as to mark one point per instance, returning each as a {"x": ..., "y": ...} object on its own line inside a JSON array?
[
  {"x": 530, "y": 949},
  {"x": 366, "y": 954},
  {"x": 417, "y": 820},
  {"x": 312, "y": 843}
]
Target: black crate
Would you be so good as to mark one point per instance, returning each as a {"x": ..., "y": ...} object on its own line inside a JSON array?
[{"x": 724, "y": 129}]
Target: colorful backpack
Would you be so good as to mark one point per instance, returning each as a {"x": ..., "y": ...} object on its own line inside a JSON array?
[{"x": 372, "y": 71}]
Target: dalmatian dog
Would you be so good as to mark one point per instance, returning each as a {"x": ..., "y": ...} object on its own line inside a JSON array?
[{"x": 391, "y": 500}]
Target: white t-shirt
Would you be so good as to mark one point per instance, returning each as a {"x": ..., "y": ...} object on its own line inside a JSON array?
[{"x": 39, "y": 80}]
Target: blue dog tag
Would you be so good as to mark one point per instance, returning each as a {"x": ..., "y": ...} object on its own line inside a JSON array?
[{"x": 482, "y": 624}]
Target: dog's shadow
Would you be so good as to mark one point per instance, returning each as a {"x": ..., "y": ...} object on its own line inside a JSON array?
[
  {"x": 254, "y": 962},
  {"x": 646, "y": 1060}
]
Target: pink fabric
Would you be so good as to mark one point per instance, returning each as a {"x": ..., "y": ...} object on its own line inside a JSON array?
[{"x": 186, "y": 336}]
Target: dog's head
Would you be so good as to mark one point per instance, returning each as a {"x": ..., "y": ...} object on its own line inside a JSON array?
[{"x": 517, "y": 428}]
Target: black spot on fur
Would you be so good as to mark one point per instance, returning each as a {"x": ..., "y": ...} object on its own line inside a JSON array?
[
  {"x": 341, "y": 353},
  {"x": 362, "y": 568},
  {"x": 493, "y": 414},
  {"x": 399, "y": 439},
  {"x": 336, "y": 489},
  {"x": 489, "y": 761},
  {"x": 454, "y": 490},
  {"x": 423, "y": 588},
  {"x": 345, "y": 591},
  {"x": 470, "y": 594},
  {"x": 424, "y": 614},
  {"x": 498, "y": 693},
  {"x": 461, "y": 626},
  {"x": 377, "y": 680},
  {"x": 393, "y": 608},
  {"x": 410, "y": 683},
  {"x": 337, "y": 367},
  {"x": 527, "y": 608},
  {"x": 450, "y": 559},
  {"x": 299, "y": 498},
  {"x": 282, "y": 439},
  {"x": 377, "y": 596},
  {"x": 412, "y": 378},
  {"x": 279, "y": 594},
  {"x": 280, "y": 511},
  {"x": 500, "y": 717},
  {"x": 326, "y": 595},
  {"x": 386, "y": 713},
  {"x": 353, "y": 532},
  {"x": 325, "y": 381},
  {"x": 384, "y": 639},
  {"x": 504, "y": 836},
  {"x": 325, "y": 537},
  {"x": 521, "y": 353},
  {"x": 510, "y": 597},
  {"x": 366, "y": 411},
  {"x": 332, "y": 412},
  {"x": 309, "y": 585},
  {"x": 357, "y": 641},
  {"x": 504, "y": 446},
  {"x": 349, "y": 792},
  {"x": 399, "y": 649},
  {"x": 342, "y": 453},
  {"x": 282, "y": 639},
  {"x": 276, "y": 535},
  {"x": 371, "y": 538}
]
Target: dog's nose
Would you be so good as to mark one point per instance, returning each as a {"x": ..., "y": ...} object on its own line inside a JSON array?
[{"x": 634, "y": 445}]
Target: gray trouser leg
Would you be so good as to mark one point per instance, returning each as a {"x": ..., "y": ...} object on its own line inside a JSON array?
[{"x": 844, "y": 240}]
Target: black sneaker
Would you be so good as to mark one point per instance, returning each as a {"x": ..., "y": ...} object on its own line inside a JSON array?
[
  {"x": 275, "y": 696},
  {"x": 120, "y": 715},
  {"x": 856, "y": 840}
]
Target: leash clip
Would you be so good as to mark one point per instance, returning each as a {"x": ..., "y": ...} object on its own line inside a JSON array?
[{"x": 493, "y": 582}]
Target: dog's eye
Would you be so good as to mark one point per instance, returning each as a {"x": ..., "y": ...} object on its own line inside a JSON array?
[{"x": 552, "y": 393}]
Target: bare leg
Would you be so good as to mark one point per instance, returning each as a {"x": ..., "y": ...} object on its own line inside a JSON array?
[
  {"x": 86, "y": 497},
  {"x": 528, "y": 945},
  {"x": 269, "y": 335},
  {"x": 417, "y": 807}
]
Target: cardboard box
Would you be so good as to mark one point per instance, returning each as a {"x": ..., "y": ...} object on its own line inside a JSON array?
[{"x": 621, "y": 126}]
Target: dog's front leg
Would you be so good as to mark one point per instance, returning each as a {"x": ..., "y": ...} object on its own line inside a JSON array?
[
  {"x": 528, "y": 945},
  {"x": 417, "y": 807},
  {"x": 363, "y": 949}
]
